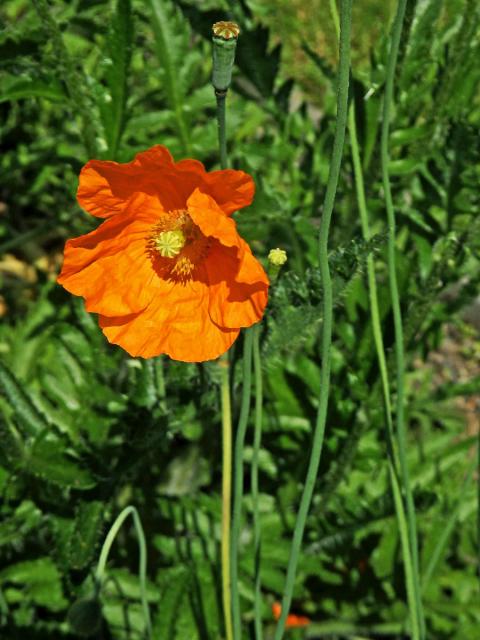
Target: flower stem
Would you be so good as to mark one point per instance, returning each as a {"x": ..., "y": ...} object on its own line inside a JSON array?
[
  {"x": 380, "y": 351},
  {"x": 226, "y": 495},
  {"x": 238, "y": 477},
  {"x": 222, "y": 131},
  {"x": 226, "y": 423},
  {"x": 142, "y": 564},
  {"x": 318, "y": 436},
  {"x": 257, "y": 438},
  {"x": 397, "y": 314}
]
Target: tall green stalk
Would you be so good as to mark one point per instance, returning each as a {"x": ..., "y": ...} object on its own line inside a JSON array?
[
  {"x": 319, "y": 431},
  {"x": 226, "y": 427},
  {"x": 226, "y": 496},
  {"x": 238, "y": 478},
  {"x": 395, "y": 299},
  {"x": 257, "y": 438},
  {"x": 411, "y": 585}
]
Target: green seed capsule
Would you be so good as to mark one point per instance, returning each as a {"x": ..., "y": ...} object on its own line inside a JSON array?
[{"x": 224, "y": 39}]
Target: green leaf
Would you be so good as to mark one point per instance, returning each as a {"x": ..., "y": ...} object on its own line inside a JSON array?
[
  {"x": 118, "y": 53},
  {"x": 30, "y": 419},
  {"x": 87, "y": 530},
  {"x": 14, "y": 88},
  {"x": 48, "y": 460},
  {"x": 40, "y": 580}
]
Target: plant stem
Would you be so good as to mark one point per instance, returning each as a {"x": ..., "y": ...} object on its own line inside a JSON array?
[
  {"x": 222, "y": 130},
  {"x": 238, "y": 478},
  {"x": 226, "y": 495},
  {"x": 226, "y": 424},
  {"x": 257, "y": 438},
  {"x": 380, "y": 351},
  {"x": 382, "y": 364},
  {"x": 318, "y": 436},
  {"x": 395, "y": 299},
  {"x": 142, "y": 564}
]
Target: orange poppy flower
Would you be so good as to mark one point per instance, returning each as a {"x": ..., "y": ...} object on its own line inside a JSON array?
[
  {"x": 166, "y": 271},
  {"x": 292, "y": 619}
]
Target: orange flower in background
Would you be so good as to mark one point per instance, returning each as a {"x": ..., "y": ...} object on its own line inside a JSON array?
[
  {"x": 292, "y": 619},
  {"x": 166, "y": 271}
]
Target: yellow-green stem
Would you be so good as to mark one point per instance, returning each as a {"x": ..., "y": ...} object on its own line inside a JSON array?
[{"x": 226, "y": 495}]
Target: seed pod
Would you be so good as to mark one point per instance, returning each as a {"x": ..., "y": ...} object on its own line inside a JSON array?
[{"x": 225, "y": 35}]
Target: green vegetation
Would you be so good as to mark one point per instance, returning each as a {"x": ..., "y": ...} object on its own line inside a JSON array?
[{"x": 87, "y": 431}]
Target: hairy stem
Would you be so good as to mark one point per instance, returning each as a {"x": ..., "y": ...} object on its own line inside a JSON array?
[
  {"x": 226, "y": 428},
  {"x": 319, "y": 431}
]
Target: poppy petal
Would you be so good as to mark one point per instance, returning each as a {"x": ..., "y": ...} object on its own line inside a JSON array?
[
  {"x": 172, "y": 324},
  {"x": 238, "y": 283},
  {"x": 110, "y": 267},
  {"x": 108, "y": 188},
  {"x": 232, "y": 190},
  {"x": 211, "y": 220},
  {"x": 238, "y": 287}
]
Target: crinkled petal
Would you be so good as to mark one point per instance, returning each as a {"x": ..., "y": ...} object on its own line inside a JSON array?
[
  {"x": 238, "y": 283},
  {"x": 110, "y": 267},
  {"x": 232, "y": 190},
  {"x": 108, "y": 188},
  {"x": 176, "y": 322},
  {"x": 211, "y": 220},
  {"x": 238, "y": 286}
]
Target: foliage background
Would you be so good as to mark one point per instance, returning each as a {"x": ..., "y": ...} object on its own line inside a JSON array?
[{"x": 86, "y": 430}]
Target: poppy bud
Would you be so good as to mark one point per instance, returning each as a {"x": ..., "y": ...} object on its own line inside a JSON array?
[
  {"x": 277, "y": 257},
  {"x": 85, "y": 616},
  {"x": 225, "y": 35}
]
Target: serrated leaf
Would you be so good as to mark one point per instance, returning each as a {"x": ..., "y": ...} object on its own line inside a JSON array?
[
  {"x": 47, "y": 460},
  {"x": 117, "y": 62},
  {"x": 87, "y": 529},
  {"x": 30, "y": 419},
  {"x": 20, "y": 88}
]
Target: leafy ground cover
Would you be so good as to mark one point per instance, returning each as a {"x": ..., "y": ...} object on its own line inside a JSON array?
[{"x": 87, "y": 430}]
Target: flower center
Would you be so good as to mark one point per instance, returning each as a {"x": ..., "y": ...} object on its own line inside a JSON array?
[
  {"x": 169, "y": 243},
  {"x": 177, "y": 246}
]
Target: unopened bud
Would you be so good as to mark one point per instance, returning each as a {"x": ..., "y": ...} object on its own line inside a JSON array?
[
  {"x": 277, "y": 257},
  {"x": 224, "y": 38}
]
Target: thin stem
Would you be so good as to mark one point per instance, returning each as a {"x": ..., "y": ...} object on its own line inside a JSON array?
[
  {"x": 222, "y": 130},
  {"x": 395, "y": 299},
  {"x": 226, "y": 496},
  {"x": 238, "y": 478},
  {"x": 142, "y": 564},
  {"x": 380, "y": 351},
  {"x": 160, "y": 382},
  {"x": 257, "y": 438},
  {"x": 226, "y": 424},
  {"x": 318, "y": 436},
  {"x": 382, "y": 364}
]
